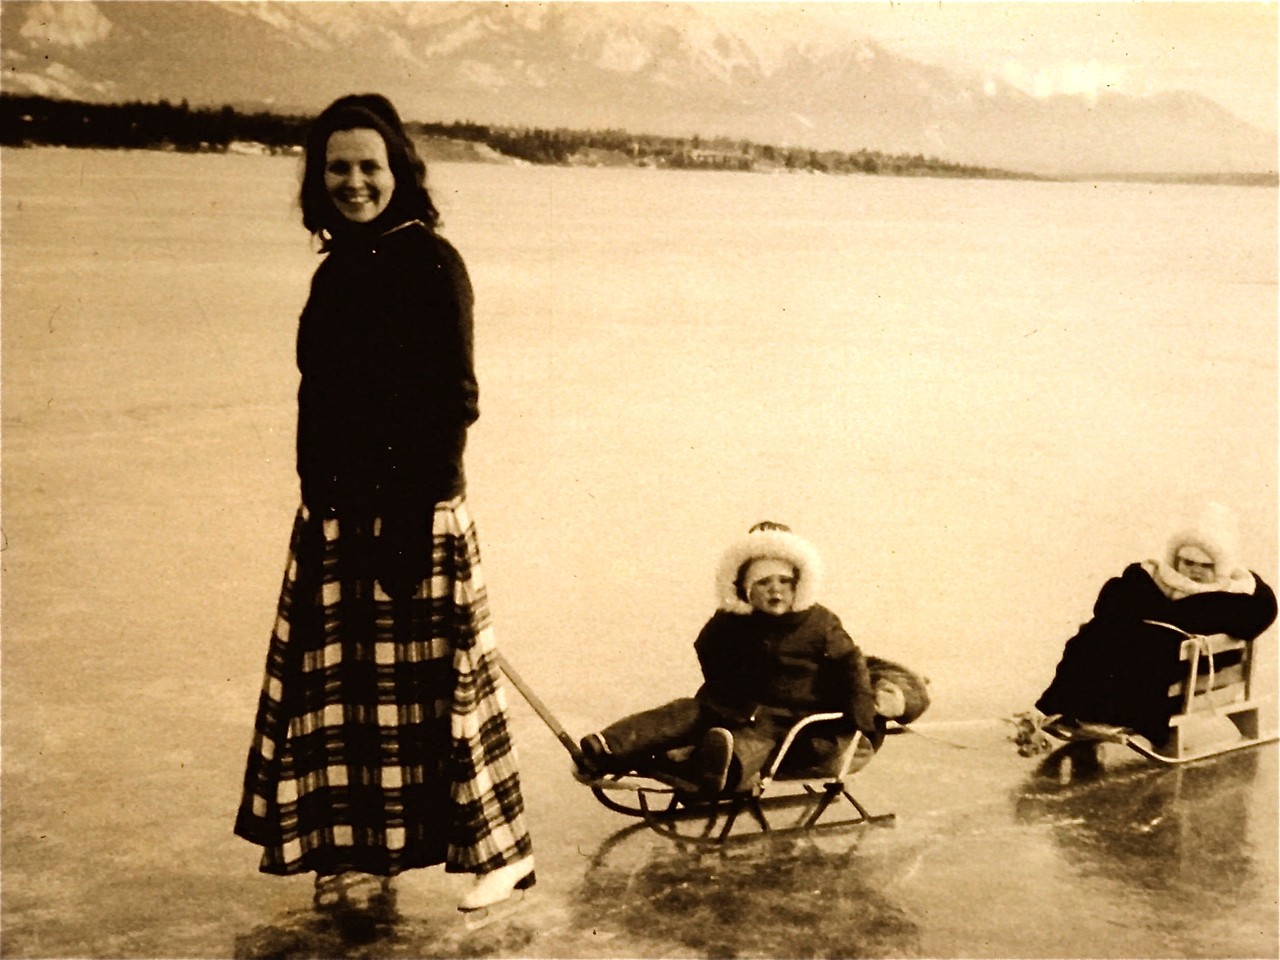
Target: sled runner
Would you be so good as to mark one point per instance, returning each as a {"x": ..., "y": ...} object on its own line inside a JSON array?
[
  {"x": 1206, "y": 691},
  {"x": 679, "y": 810}
]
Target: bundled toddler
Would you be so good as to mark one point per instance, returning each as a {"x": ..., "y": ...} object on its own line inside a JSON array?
[{"x": 770, "y": 655}]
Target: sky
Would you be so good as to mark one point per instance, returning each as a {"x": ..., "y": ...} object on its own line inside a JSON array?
[{"x": 1227, "y": 51}]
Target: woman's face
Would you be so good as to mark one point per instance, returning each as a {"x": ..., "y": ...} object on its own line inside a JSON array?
[{"x": 357, "y": 175}]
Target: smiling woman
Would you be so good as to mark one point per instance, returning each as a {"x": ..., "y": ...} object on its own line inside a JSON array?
[
  {"x": 361, "y": 174},
  {"x": 381, "y": 741},
  {"x": 358, "y": 174}
]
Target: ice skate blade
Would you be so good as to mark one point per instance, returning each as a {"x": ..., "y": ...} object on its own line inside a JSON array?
[{"x": 484, "y": 916}]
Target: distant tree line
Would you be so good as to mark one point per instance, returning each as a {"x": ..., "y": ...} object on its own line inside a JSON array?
[
  {"x": 575, "y": 147},
  {"x": 32, "y": 120},
  {"x": 41, "y": 120}
]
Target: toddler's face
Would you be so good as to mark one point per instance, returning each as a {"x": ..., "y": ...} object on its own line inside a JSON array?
[
  {"x": 1195, "y": 565},
  {"x": 774, "y": 594}
]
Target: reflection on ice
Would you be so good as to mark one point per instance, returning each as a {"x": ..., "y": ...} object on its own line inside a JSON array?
[
  {"x": 339, "y": 931},
  {"x": 1180, "y": 834},
  {"x": 381, "y": 932},
  {"x": 775, "y": 897},
  {"x": 306, "y": 933}
]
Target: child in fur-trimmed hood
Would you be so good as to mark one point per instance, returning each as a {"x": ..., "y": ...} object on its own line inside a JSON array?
[
  {"x": 769, "y": 655},
  {"x": 1117, "y": 669}
]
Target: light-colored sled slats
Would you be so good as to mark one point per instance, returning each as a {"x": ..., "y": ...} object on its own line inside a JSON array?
[
  {"x": 1205, "y": 693},
  {"x": 1222, "y": 679},
  {"x": 1208, "y": 692}
]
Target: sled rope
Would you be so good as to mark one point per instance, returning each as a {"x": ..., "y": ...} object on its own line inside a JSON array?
[
  {"x": 1202, "y": 646},
  {"x": 907, "y": 728},
  {"x": 1205, "y": 650}
]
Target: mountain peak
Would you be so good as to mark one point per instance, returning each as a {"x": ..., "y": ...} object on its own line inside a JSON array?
[{"x": 774, "y": 73}]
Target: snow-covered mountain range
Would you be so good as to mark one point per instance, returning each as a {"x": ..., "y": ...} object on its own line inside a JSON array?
[{"x": 765, "y": 72}]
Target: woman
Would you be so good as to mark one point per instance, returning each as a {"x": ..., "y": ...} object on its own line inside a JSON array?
[
  {"x": 381, "y": 738},
  {"x": 1118, "y": 668}
]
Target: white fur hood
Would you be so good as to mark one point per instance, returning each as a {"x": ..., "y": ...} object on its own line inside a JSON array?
[
  {"x": 1215, "y": 532},
  {"x": 1175, "y": 586},
  {"x": 782, "y": 544}
]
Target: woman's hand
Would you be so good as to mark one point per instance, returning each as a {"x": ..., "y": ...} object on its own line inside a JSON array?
[{"x": 402, "y": 551}]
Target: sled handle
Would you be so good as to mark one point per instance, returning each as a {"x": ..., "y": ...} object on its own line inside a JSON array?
[{"x": 540, "y": 708}]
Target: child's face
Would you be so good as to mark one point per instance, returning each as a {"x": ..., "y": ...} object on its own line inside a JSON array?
[
  {"x": 1195, "y": 564},
  {"x": 774, "y": 594}
]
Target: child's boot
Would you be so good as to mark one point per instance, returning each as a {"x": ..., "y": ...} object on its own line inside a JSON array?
[
  {"x": 713, "y": 759},
  {"x": 597, "y": 758}
]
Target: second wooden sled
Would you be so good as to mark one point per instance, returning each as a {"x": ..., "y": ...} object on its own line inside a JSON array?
[{"x": 1205, "y": 692}]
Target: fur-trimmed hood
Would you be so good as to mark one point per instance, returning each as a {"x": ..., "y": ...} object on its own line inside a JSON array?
[
  {"x": 782, "y": 544},
  {"x": 1175, "y": 586},
  {"x": 1216, "y": 533}
]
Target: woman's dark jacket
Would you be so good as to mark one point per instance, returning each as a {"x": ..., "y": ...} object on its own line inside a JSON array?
[
  {"x": 388, "y": 384},
  {"x": 802, "y": 661},
  {"x": 1118, "y": 669}
]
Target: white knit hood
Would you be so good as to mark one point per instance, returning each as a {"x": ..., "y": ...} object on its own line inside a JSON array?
[
  {"x": 1216, "y": 533},
  {"x": 782, "y": 544}
]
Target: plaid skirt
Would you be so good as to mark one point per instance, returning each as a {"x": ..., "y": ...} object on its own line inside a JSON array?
[{"x": 381, "y": 740}]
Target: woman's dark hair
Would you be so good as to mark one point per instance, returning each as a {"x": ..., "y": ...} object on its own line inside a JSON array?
[{"x": 410, "y": 199}]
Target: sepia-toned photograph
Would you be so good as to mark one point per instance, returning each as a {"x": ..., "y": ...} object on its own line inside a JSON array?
[{"x": 611, "y": 479}]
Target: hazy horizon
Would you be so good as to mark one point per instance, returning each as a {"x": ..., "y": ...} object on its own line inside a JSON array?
[{"x": 783, "y": 73}]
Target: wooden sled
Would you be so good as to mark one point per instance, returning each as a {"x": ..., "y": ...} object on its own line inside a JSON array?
[
  {"x": 677, "y": 810},
  {"x": 1203, "y": 694}
]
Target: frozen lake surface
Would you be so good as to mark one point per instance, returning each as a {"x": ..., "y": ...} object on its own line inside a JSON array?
[{"x": 978, "y": 400}]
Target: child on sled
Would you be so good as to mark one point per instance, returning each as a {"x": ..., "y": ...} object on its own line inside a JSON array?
[
  {"x": 1117, "y": 669},
  {"x": 770, "y": 655}
]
